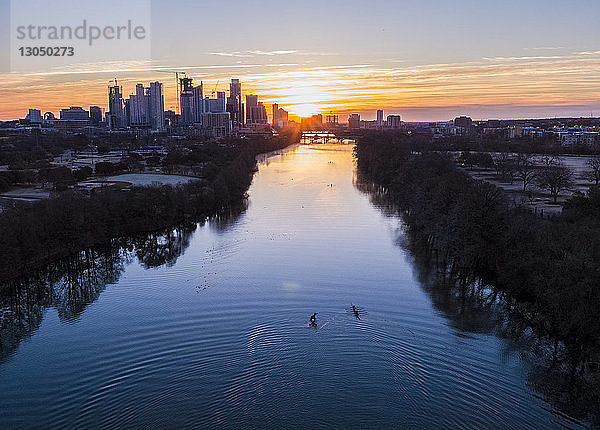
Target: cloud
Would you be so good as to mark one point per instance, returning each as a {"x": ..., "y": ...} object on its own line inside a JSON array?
[
  {"x": 555, "y": 80},
  {"x": 545, "y": 48},
  {"x": 250, "y": 54}
]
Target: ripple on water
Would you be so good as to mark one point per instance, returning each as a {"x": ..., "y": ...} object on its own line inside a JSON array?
[{"x": 220, "y": 339}]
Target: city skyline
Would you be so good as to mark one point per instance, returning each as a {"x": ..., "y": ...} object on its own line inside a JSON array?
[{"x": 494, "y": 61}]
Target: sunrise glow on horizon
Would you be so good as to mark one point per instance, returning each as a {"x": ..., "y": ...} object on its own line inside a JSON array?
[{"x": 490, "y": 63}]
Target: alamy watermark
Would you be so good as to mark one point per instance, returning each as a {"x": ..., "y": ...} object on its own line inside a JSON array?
[{"x": 70, "y": 35}]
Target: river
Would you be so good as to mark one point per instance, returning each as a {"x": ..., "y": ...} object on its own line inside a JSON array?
[{"x": 208, "y": 326}]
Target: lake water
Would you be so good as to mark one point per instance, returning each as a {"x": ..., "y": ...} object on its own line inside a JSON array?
[{"x": 209, "y": 327}]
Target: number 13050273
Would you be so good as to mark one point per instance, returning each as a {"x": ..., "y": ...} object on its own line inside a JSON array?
[{"x": 47, "y": 51}]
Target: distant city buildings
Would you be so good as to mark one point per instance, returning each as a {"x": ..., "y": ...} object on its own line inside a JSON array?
[
  {"x": 171, "y": 118},
  {"x": 208, "y": 115},
  {"x": 34, "y": 116},
  {"x": 217, "y": 115},
  {"x": 235, "y": 104},
  {"x": 314, "y": 123},
  {"x": 354, "y": 121},
  {"x": 221, "y": 115},
  {"x": 464, "y": 122},
  {"x": 96, "y": 114},
  {"x": 394, "y": 121},
  {"x": 116, "y": 112},
  {"x": 217, "y": 105},
  {"x": 190, "y": 100},
  {"x": 332, "y": 120},
  {"x": 146, "y": 108},
  {"x": 280, "y": 117},
  {"x": 74, "y": 113},
  {"x": 157, "y": 106},
  {"x": 256, "y": 113}
]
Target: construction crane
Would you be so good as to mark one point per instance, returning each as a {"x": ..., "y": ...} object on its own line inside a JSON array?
[
  {"x": 177, "y": 74},
  {"x": 215, "y": 90}
]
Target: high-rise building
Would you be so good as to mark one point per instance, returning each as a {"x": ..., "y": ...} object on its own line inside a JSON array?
[
  {"x": 74, "y": 113},
  {"x": 380, "y": 117},
  {"x": 463, "y": 121},
  {"x": 171, "y": 118},
  {"x": 139, "y": 115},
  {"x": 332, "y": 120},
  {"x": 95, "y": 115},
  {"x": 275, "y": 114},
  {"x": 126, "y": 114},
  {"x": 217, "y": 105},
  {"x": 157, "y": 106},
  {"x": 256, "y": 113},
  {"x": 188, "y": 113},
  {"x": 394, "y": 121},
  {"x": 198, "y": 107},
  {"x": 354, "y": 121},
  {"x": 191, "y": 100},
  {"x": 280, "y": 117},
  {"x": 116, "y": 114},
  {"x": 235, "y": 104},
  {"x": 34, "y": 116},
  {"x": 251, "y": 106},
  {"x": 147, "y": 107},
  {"x": 216, "y": 124}
]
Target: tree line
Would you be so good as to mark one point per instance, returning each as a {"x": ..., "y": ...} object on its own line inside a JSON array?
[
  {"x": 36, "y": 234},
  {"x": 469, "y": 227}
]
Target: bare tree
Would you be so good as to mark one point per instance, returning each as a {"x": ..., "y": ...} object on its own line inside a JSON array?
[
  {"x": 555, "y": 179},
  {"x": 593, "y": 172},
  {"x": 505, "y": 166},
  {"x": 549, "y": 160},
  {"x": 525, "y": 169}
]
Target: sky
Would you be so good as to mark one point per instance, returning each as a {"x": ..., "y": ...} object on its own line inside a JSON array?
[{"x": 425, "y": 60}]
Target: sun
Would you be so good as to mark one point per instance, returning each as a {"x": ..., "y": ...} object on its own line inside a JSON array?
[{"x": 304, "y": 110}]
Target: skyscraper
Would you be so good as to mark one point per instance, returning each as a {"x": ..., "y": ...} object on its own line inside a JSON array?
[
  {"x": 235, "y": 105},
  {"x": 380, "y": 117},
  {"x": 146, "y": 108},
  {"x": 198, "y": 107},
  {"x": 116, "y": 118},
  {"x": 34, "y": 116},
  {"x": 139, "y": 115},
  {"x": 186, "y": 99},
  {"x": 157, "y": 106},
  {"x": 280, "y": 117},
  {"x": 464, "y": 122},
  {"x": 394, "y": 121},
  {"x": 251, "y": 106},
  {"x": 215, "y": 105},
  {"x": 275, "y": 114},
  {"x": 256, "y": 113},
  {"x": 354, "y": 121},
  {"x": 95, "y": 115}
]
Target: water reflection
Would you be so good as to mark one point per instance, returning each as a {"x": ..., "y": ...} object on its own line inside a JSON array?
[
  {"x": 221, "y": 339},
  {"x": 565, "y": 374},
  {"x": 70, "y": 285}
]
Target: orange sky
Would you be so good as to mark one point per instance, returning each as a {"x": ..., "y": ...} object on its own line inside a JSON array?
[{"x": 529, "y": 85}]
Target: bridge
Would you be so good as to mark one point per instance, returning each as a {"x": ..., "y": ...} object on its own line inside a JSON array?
[{"x": 324, "y": 137}]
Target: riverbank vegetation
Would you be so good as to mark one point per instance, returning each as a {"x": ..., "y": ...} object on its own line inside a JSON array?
[
  {"x": 36, "y": 234},
  {"x": 472, "y": 232}
]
